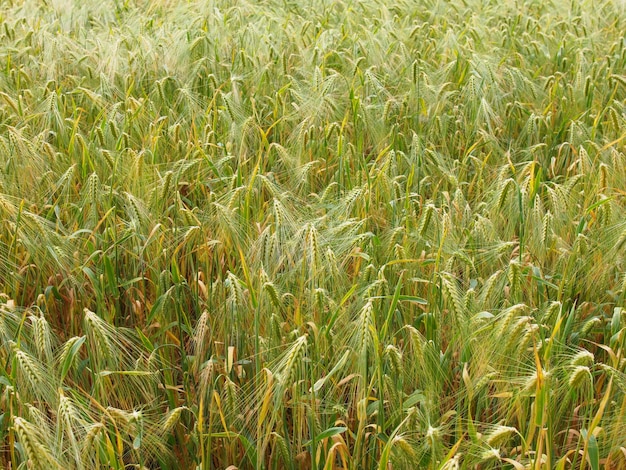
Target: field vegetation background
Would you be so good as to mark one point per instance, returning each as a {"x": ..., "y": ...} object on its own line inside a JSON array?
[{"x": 312, "y": 234}]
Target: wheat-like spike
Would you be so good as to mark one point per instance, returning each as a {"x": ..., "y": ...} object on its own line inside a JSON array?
[
  {"x": 425, "y": 219},
  {"x": 90, "y": 441},
  {"x": 166, "y": 184},
  {"x": 507, "y": 316},
  {"x": 207, "y": 375},
  {"x": 364, "y": 323},
  {"x": 453, "y": 297},
  {"x": 233, "y": 200},
  {"x": 579, "y": 376},
  {"x": 529, "y": 385},
  {"x": 515, "y": 330},
  {"x": 283, "y": 450},
  {"x": 100, "y": 136},
  {"x": 499, "y": 435},
  {"x": 279, "y": 215},
  {"x": 399, "y": 251},
  {"x": 320, "y": 297},
  {"x": 172, "y": 418},
  {"x": 65, "y": 178},
  {"x": 271, "y": 247},
  {"x": 557, "y": 199},
  {"x": 96, "y": 328},
  {"x": 41, "y": 421},
  {"x": 235, "y": 290},
  {"x": 114, "y": 130},
  {"x": 164, "y": 281},
  {"x": 275, "y": 327},
  {"x": 546, "y": 227},
  {"x": 29, "y": 367},
  {"x": 43, "y": 337},
  {"x": 135, "y": 213},
  {"x": 230, "y": 390},
  {"x": 417, "y": 341},
  {"x": 38, "y": 454},
  {"x": 395, "y": 359},
  {"x": 503, "y": 191},
  {"x": 606, "y": 212},
  {"x": 68, "y": 417},
  {"x": 553, "y": 308},
  {"x": 589, "y": 325},
  {"x": 137, "y": 164},
  {"x": 292, "y": 359},
  {"x": 200, "y": 335},
  {"x": 484, "y": 380},
  {"x": 529, "y": 337},
  {"x": 229, "y": 107},
  {"x": 93, "y": 188},
  {"x": 514, "y": 276},
  {"x": 313, "y": 246},
  {"x": 328, "y": 191},
  {"x": 49, "y": 150},
  {"x": 123, "y": 417},
  {"x": 391, "y": 387},
  {"x": 273, "y": 294},
  {"x": 160, "y": 91}
]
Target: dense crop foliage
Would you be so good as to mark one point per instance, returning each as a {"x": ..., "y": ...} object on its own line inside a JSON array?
[{"x": 312, "y": 234}]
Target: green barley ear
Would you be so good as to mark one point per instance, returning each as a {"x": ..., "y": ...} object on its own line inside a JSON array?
[
  {"x": 235, "y": 290},
  {"x": 394, "y": 356},
  {"x": 425, "y": 219},
  {"x": 207, "y": 376},
  {"x": 579, "y": 376},
  {"x": 98, "y": 334},
  {"x": 230, "y": 392},
  {"x": 552, "y": 309},
  {"x": 275, "y": 328},
  {"x": 37, "y": 453},
  {"x": 272, "y": 292},
  {"x": 503, "y": 190},
  {"x": 172, "y": 418},
  {"x": 91, "y": 443},
  {"x": 200, "y": 336},
  {"x": 582, "y": 358},
  {"x": 43, "y": 337},
  {"x": 32, "y": 371},
  {"x": 589, "y": 325},
  {"x": 93, "y": 196},
  {"x": 508, "y": 317},
  {"x": 417, "y": 340},
  {"x": 499, "y": 435},
  {"x": 453, "y": 299},
  {"x": 166, "y": 184},
  {"x": 291, "y": 361},
  {"x": 283, "y": 450},
  {"x": 69, "y": 423}
]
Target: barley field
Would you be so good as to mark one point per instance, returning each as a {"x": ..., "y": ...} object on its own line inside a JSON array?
[{"x": 312, "y": 234}]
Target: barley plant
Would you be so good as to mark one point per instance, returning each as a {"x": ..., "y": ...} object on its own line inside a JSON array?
[{"x": 317, "y": 234}]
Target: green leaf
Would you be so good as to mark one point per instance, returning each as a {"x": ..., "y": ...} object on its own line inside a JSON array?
[
  {"x": 414, "y": 299},
  {"x": 110, "y": 274},
  {"x": 416, "y": 397},
  {"x": 592, "y": 449},
  {"x": 134, "y": 373},
  {"x": 330, "y": 432},
  {"x": 320, "y": 383},
  {"x": 69, "y": 359}
]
